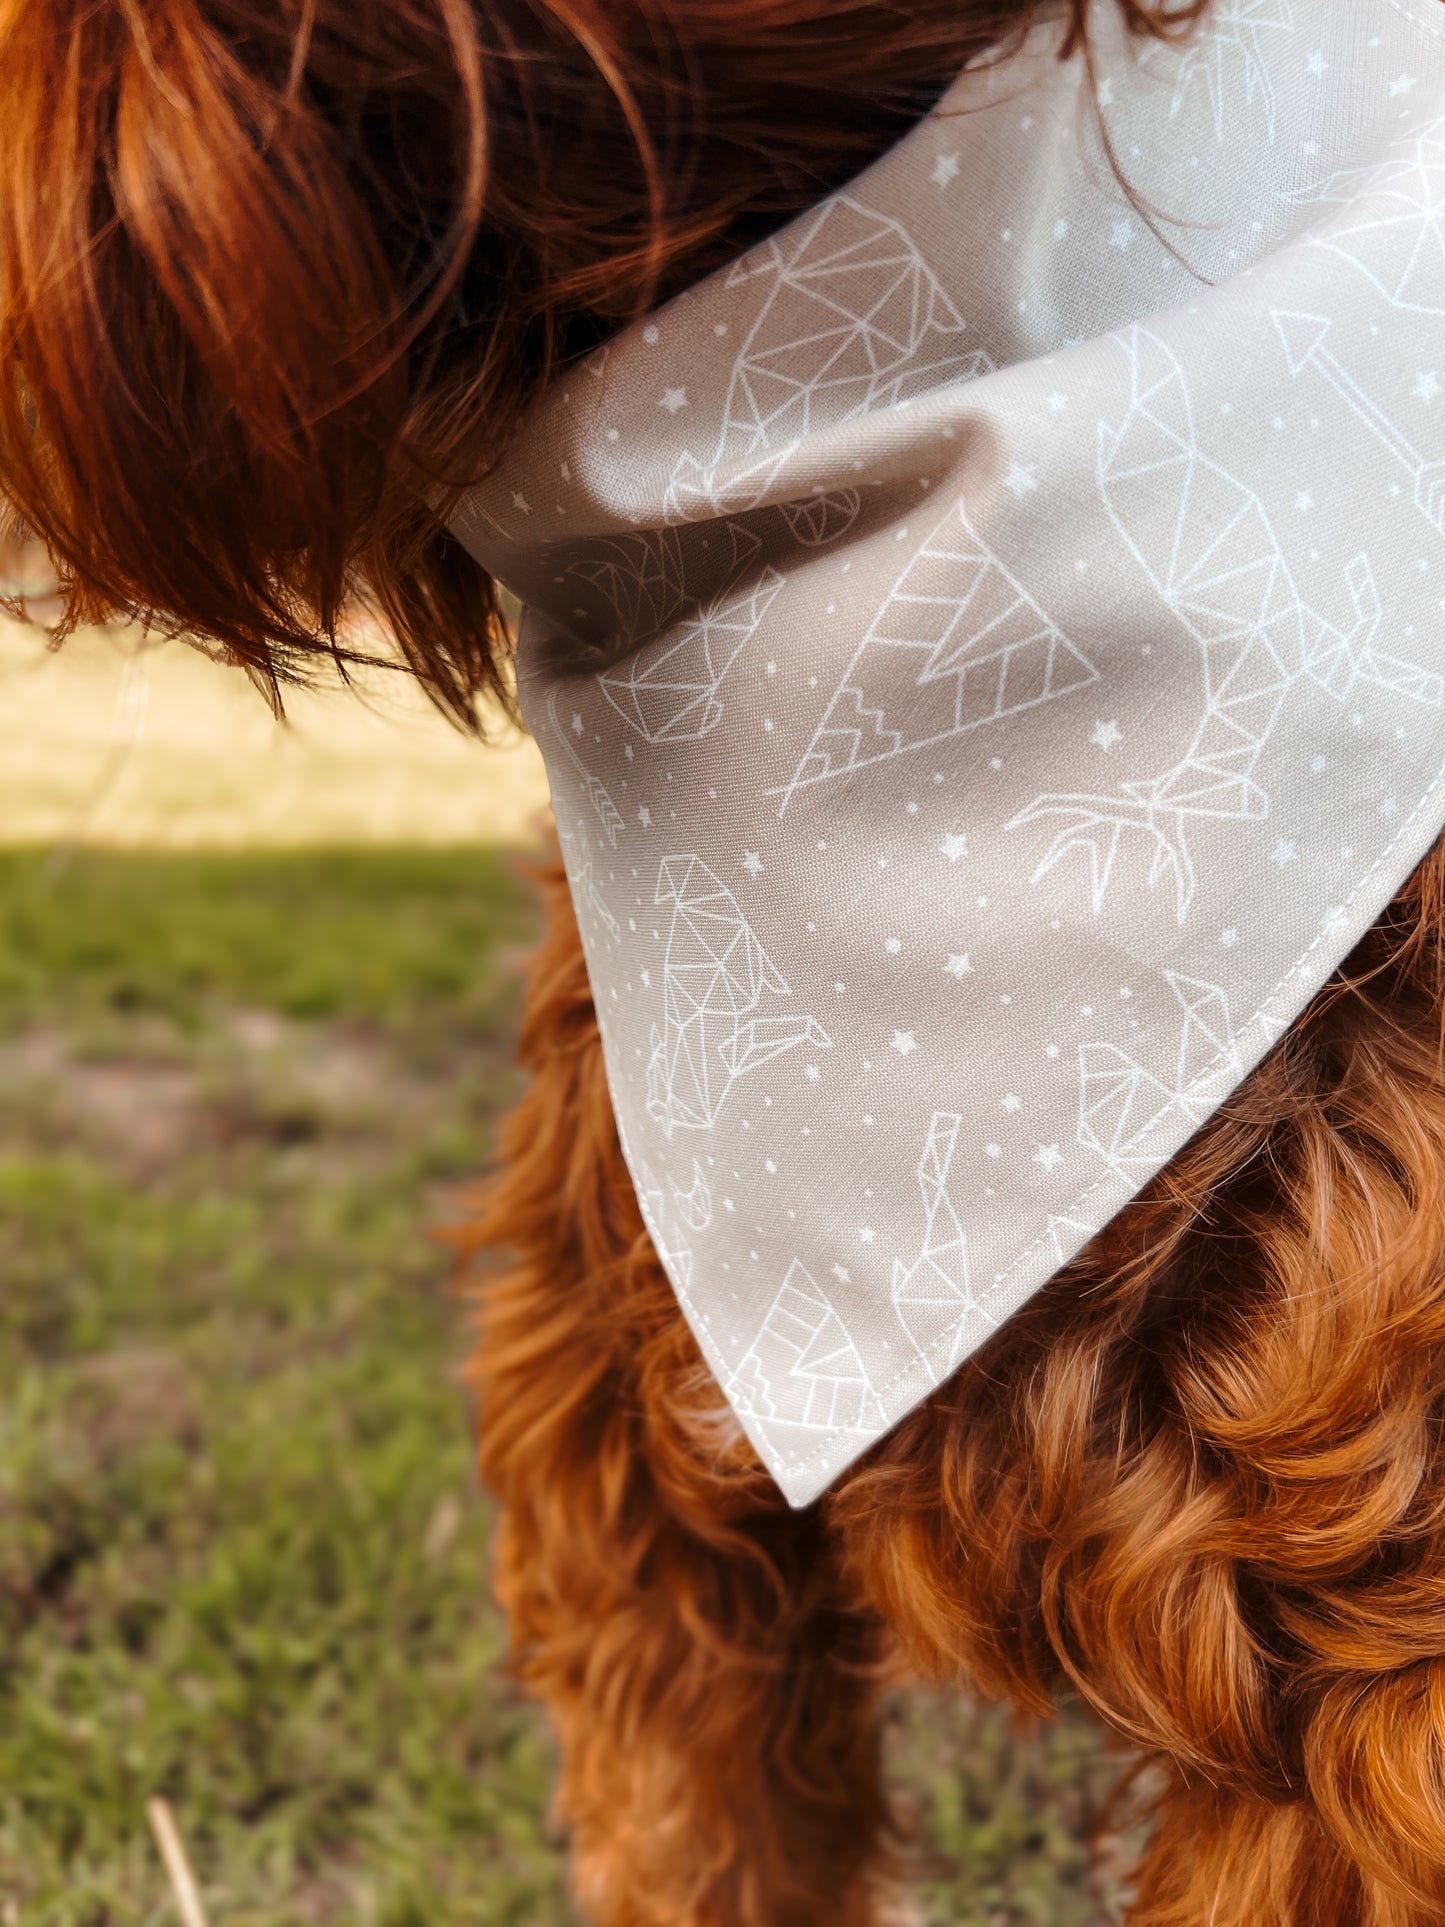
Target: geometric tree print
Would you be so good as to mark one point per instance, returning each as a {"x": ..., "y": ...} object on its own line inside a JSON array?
[
  {"x": 1304, "y": 345},
  {"x": 802, "y": 1368},
  {"x": 932, "y": 1295},
  {"x": 670, "y": 694},
  {"x": 715, "y": 972},
  {"x": 1126, "y": 1113},
  {"x": 1396, "y": 237},
  {"x": 1205, "y": 542},
  {"x": 1229, "y": 42},
  {"x": 959, "y": 643},
  {"x": 854, "y": 320}
]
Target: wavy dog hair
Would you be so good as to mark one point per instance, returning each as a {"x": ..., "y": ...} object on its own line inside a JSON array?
[
  {"x": 279, "y": 277},
  {"x": 1198, "y": 1481}
]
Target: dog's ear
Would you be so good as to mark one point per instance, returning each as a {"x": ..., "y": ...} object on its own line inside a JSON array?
[
  {"x": 207, "y": 389},
  {"x": 279, "y": 277}
]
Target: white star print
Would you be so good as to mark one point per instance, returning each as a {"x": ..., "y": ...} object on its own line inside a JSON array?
[
  {"x": 1229, "y": 938},
  {"x": 865, "y": 1232},
  {"x": 1427, "y": 386},
  {"x": 1021, "y": 479},
  {"x": 644, "y": 817},
  {"x": 812, "y": 1073},
  {"x": 902, "y": 1041},
  {"x": 958, "y": 967},
  {"x": 953, "y": 847},
  {"x": 945, "y": 169},
  {"x": 1317, "y": 64},
  {"x": 519, "y": 501},
  {"x": 1282, "y": 853},
  {"x": 1057, "y": 401},
  {"x": 576, "y": 724},
  {"x": 1012, "y": 1103},
  {"x": 1304, "y": 500},
  {"x": 1121, "y": 236},
  {"x": 672, "y": 399},
  {"x": 1105, "y": 95},
  {"x": 840, "y": 1272},
  {"x": 1406, "y": 84},
  {"x": 753, "y": 863},
  {"x": 1106, "y": 735},
  {"x": 1048, "y": 1155}
]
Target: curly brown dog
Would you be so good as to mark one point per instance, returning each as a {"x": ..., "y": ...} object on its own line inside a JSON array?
[
  {"x": 1198, "y": 1480},
  {"x": 279, "y": 279}
]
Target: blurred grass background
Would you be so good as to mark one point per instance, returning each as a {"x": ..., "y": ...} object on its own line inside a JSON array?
[{"x": 258, "y": 992}]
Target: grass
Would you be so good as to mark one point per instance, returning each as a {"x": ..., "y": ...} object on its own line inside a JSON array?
[{"x": 241, "y": 1555}]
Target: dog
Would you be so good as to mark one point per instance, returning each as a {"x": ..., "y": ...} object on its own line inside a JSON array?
[{"x": 279, "y": 281}]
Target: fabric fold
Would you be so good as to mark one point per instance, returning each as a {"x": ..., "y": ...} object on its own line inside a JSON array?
[{"x": 987, "y": 649}]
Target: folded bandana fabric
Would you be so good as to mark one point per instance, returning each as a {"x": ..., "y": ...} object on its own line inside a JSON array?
[{"x": 988, "y": 650}]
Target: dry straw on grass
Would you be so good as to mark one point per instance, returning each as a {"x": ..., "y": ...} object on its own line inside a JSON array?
[{"x": 178, "y": 1867}]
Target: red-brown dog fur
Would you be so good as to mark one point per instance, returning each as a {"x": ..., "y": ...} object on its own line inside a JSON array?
[
  {"x": 277, "y": 279},
  {"x": 1198, "y": 1480}
]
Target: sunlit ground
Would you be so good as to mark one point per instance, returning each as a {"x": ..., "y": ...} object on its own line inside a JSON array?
[{"x": 258, "y": 992}]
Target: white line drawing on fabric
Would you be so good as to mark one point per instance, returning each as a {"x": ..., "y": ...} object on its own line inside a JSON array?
[
  {"x": 802, "y": 1368},
  {"x": 1128, "y": 1116},
  {"x": 1067, "y": 1235},
  {"x": 1218, "y": 567},
  {"x": 577, "y": 862},
  {"x": 1230, "y": 43},
  {"x": 1397, "y": 238},
  {"x": 960, "y": 642},
  {"x": 1304, "y": 338},
  {"x": 640, "y": 577},
  {"x": 694, "y": 1206},
  {"x": 853, "y": 319},
  {"x": 715, "y": 973},
  {"x": 670, "y": 693},
  {"x": 595, "y": 788},
  {"x": 933, "y": 1293},
  {"x": 823, "y": 518},
  {"x": 671, "y": 1248}
]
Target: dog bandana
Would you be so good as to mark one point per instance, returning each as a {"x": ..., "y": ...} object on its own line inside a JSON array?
[{"x": 987, "y": 646}]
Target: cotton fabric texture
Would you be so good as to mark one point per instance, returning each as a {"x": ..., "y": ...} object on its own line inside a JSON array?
[{"x": 987, "y": 648}]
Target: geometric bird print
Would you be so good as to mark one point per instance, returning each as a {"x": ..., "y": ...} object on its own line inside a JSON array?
[
  {"x": 932, "y": 1295},
  {"x": 715, "y": 973},
  {"x": 1230, "y": 42},
  {"x": 670, "y": 695},
  {"x": 1126, "y": 1113},
  {"x": 1396, "y": 236},
  {"x": 802, "y": 1368},
  {"x": 640, "y": 577},
  {"x": 1205, "y": 542},
  {"x": 959, "y": 643},
  {"x": 854, "y": 320}
]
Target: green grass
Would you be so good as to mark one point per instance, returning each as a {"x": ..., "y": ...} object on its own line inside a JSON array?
[{"x": 241, "y": 1555}]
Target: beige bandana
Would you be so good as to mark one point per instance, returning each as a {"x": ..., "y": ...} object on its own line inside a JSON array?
[{"x": 991, "y": 675}]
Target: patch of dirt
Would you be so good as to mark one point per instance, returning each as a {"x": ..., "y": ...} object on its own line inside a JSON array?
[{"x": 130, "y": 1396}]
